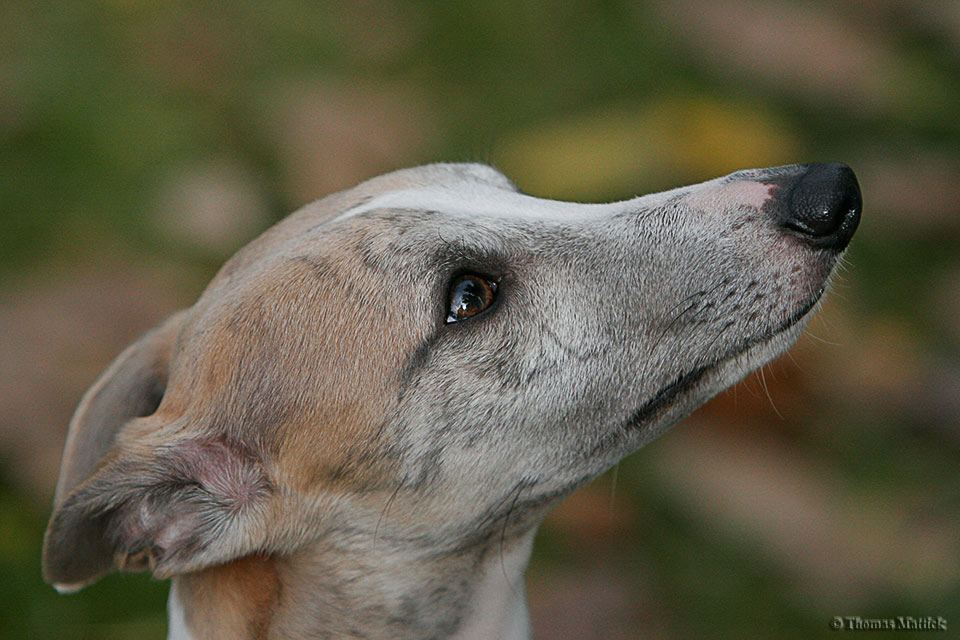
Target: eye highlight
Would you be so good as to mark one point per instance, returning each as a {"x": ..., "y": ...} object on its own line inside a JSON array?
[{"x": 469, "y": 295}]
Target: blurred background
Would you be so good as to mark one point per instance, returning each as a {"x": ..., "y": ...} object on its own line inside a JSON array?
[{"x": 141, "y": 143}]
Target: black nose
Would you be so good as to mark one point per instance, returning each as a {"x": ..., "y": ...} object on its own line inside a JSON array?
[{"x": 823, "y": 205}]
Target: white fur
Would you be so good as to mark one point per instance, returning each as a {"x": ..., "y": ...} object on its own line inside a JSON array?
[
  {"x": 474, "y": 200},
  {"x": 499, "y": 606},
  {"x": 177, "y": 624}
]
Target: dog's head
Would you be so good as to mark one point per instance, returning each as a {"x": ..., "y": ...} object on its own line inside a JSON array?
[{"x": 431, "y": 359}]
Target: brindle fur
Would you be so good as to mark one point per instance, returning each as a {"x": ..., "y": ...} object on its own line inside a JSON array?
[{"x": 312, "y": 451}]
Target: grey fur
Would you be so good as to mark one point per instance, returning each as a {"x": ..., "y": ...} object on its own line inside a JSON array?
[{"x": 362, "y": 426}]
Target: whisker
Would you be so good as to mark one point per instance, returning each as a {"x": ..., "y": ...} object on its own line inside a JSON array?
[
  {"x": 704, "y": 351},
  {"x": 648, "y": 361},
  {"x": 766, "y": 390},
  {"x": 386, "y": 507},
  {"x": 823, "y": 340}
]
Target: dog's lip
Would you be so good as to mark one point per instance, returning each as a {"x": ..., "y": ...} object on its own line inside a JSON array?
[{"x": 666, "y": 396}]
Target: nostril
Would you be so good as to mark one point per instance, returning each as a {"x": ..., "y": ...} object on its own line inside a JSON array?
[{"x": 824, "y": 205}]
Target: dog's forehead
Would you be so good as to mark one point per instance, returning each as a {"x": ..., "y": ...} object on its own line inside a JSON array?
[
  {"x": 316, "y": 216},
  {"x": 472, "y": 201}
]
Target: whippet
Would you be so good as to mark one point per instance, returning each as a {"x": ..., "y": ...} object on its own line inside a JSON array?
[{"x": 357, "y": 428}]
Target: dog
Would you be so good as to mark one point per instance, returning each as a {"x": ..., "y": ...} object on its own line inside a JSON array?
[{"x": 357, "y": 428}]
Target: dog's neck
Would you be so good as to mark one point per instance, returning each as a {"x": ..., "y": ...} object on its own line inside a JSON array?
[{"x": 343, "y": 592}]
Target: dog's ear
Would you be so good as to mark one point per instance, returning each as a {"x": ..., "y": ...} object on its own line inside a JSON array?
[
  {"x": 132, "y": 386},
  {"x": 170, "y": 508},
  {"x": 164, "y": 500}
]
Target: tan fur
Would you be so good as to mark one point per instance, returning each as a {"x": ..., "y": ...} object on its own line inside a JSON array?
[
  {"x": 320, "y": 424},
  {"x": 234, "y": 601},
  {"x": 334, "y": 455}
]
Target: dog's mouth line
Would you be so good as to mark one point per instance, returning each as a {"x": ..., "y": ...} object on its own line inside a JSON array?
[{"x": 672, "y": 391}]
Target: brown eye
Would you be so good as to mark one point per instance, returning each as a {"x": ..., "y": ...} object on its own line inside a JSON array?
[{"x": 470, "y": 295}]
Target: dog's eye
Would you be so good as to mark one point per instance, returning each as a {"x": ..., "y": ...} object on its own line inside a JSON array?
[{"x": 470, "y": 295}]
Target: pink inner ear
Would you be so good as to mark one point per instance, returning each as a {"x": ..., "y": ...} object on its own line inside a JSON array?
[
  {"x": 176, "y": 530},
  {"x": 232, "y": 478},
  {"x": 203, "y": 485},
  {"x": 179, "y": 508}
]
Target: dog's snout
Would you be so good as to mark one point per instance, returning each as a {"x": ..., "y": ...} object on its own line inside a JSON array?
[{"x": 823, "y": 205}]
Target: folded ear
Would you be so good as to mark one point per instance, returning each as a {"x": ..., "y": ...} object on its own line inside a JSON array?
[
  {"x": 170, "y": 505},
  {"x": 171, "y": 509},
  {"x": 130, "y": 387}
]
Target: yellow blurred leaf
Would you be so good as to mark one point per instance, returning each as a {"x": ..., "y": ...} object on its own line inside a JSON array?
[{"x": 625, "y": 147}]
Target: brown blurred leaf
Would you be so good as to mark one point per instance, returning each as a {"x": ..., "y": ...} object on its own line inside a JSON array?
[
  {"x": 844, "y": 546},
  {"x": 215, "y": 206},
  {"x": 592, "y": 516},
  {"x": 59, "y": 332},
  {"x": 806, "y": 49},
  {"x": 330, "y": 135}
]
